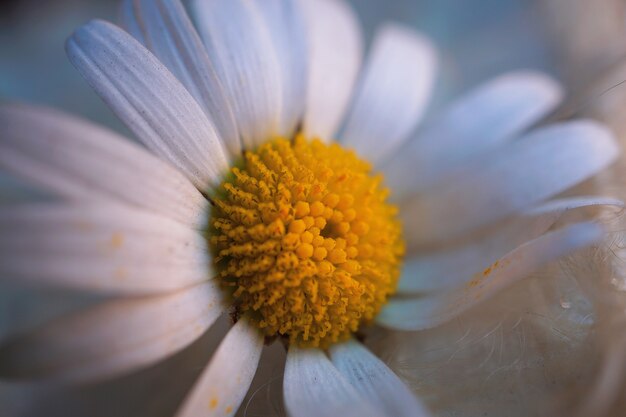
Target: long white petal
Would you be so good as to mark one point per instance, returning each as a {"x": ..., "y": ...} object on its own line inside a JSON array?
[
  {"x": 82, "y": 161},
  {"x": 433, "y": 310},
  {"x": 313, "y": 387},
  {"x": 285, "y": 21},
  {"x": 104, "y": 248},
  {"x": 440, "y": 270},
  {"x": 127, "y": 16},
  {"x": 520, "y": 175},
  {"x": 392, "y": 94},
  {"x": 168, "y": 33},
  {"x": 375, "y": 381},
  {"x": 474, "y": 124},
  {"x": 335, "y": 45},
  {"x": 112, "y": 338},
  {"x": 223, "y": 384},
  {"x": 241, "y": 51},
  {"x": 150, "y": 100}
]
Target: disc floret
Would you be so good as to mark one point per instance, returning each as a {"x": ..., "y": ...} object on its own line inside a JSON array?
[{"x": 305, "y": 241}]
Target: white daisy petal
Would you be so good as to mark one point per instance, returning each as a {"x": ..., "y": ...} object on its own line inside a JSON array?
[
  {"x": 541, "y": 165},
  {"x": 335, "y": 45},
  {"x": 285, "y": 22},
  {"x": 112, "y": 338},
  {"x": 433, "y": 310},
  {"x": 392, "y": 94},
  {"x": 149, "y": 99},
  {"x": 444, "y": 269},
  {"x": 169, "y": 34},
  {"x": 476, "y": 123},
  {"x": 375, "y": 381},
  {"x": 313, "y": 387},
  {"x": 241, "y": 51},
  {"x": 85, "y": 162},
  {"x": 127, "y": 17},
  {"x": 223, "y": 384},
  {"x": 102, "y": 247}
]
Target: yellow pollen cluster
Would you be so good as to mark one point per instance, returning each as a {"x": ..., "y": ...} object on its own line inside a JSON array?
[{"x": 305, "y": 241}]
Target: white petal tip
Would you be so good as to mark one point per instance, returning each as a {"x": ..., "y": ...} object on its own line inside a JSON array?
[
  {"x": 408, "y": 34},
  {"x": 597, "y": 141},
  {"x": 536, "y": 83}
]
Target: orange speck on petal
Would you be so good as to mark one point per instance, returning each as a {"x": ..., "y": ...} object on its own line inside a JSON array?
[
  {"x": 117, "y": 240},
  {"x": 213, "y": 403},
  {"x": 473, "y": 283}
]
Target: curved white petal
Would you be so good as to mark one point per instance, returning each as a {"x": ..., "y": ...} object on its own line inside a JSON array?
[
  {"x": 127, "y": 16},
  {"x": 440, "y": 270},
  {"x": 241, "y": 51},
  {"x": 105, "y": 248},
  {"x": 313, "y": 387},
  {"x": 224, "y": 382},
  {"x": 375, "y": 381},
  {"x": 112, "y": 338},
  {"x": 82, "y": 161},
  {"x": 392, "y": 93},
  {"x": 432, "y": 310},
  {"x": 168, "y": 33},
  {"x": 285, "y": 21},
  {"x": 150, "y": 100},
  {"x": 335, "y": 48},
  {"x": 474, "y": 124},
  {"x": 539, "y": 166}
]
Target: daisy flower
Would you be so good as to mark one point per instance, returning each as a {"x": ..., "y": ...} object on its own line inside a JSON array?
[{"x": 245, "y": 204}]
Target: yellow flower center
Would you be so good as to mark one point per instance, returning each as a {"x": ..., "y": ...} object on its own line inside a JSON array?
[{"x": 305, "y": 241}]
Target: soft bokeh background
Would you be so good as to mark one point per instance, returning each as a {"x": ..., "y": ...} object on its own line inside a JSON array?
[{"x": 516, "y": 354}]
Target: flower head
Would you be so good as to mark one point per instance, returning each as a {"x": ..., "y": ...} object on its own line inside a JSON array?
[
  {"x": 243, "y": 204},
  {"x": 307, "y": 241}
]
